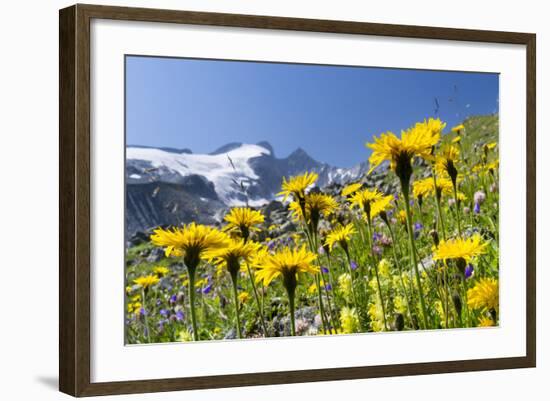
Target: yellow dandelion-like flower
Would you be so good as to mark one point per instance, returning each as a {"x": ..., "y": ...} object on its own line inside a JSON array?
[
  {"x": 414, "y": 142},
  {"x": 244, "y": 297},
  {"x": 243, "y": 220},
  {"x": 189, "y": 241},
  {"x": 341, "y": 236},
  {"x": 312, "y": 289},
  {"x": 458, "y": 128},
  {"x": 286, "y": 262},
  {"x": 445, "y": 162},
  {"x": 460, "y": 248},
  {"x": 402, "y": 217},
  {"x": 484, "y": 295},
  {"x": 425, "y": 187},
  {"x": 147, "y": 281},
  {"x": 316, "y": 205},
  {"x": 232, "y": 255},
  {"x": 491, "y": 146},
  {"x": 381, "y": 205},
  {"x": 134, "y": 307},
  {"x": 297, "y": 185},
  {"x": 344, "y": 286},
  {"x": 456, "y": 139},
  {"x": 488, "y": 168},
  {"x": 485, "y": 321},
  {"x": 371, "y": 202},
  {"x": 349, "y": 320},
  {"x": 350, "y": 189},
  {"x": 161, "y": 271}
]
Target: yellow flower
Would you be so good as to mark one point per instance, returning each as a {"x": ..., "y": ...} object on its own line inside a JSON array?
[
  {"x": 189, "y": 241},
  {"x": 146, "y": 281},
  {"x": 485, "y": 321},
  {"x": 185, "y": 335},
  {"x": 402, "y": 217},
  {"x": 376, "y": 314},
  {"x": 244, "y": 297},
  {"x": 349, "y": 320},
  {"x": 384, "y": 267},
  {"x": 445, "y": 163},
  {"x": 400, "y": 304},
  {"x": 381, "y": 205},
  {"x": 414, "y": 142},
  {"x": 484, "y": 295},
  {"x": 484, "y": 169},
  {"x": 456, "y": 139},
  {"x": 161, "y": 271},
  {"x": 344, "y": 285},
  {"x": 350, "y": 189},
  {"x": 134, "y": 307},
  {"x": 232, "y": 255},
  {"x": 457, "y": 128},
  {"x": 243, "y": 220},
  {"x": 286, "y": 262},
  {"x": 312, "y": 289},
  {"x": 297, "y": 185},
  {"x": 491, "y": 146},
  {"x": 316, "y": 205},
  {"x": 425, "y": 187},
  {"x": 341, "y": 236},
  {"x": 372, "y": 202},
  {"x": 460, "y": 248}
]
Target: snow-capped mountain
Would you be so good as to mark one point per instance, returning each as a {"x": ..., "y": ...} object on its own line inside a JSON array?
[{"x": 170, "y": 186}]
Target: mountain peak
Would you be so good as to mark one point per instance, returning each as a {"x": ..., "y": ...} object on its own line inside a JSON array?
[
  {"x": 267, "y": 145},
  {"x": 227, "y": 148}
]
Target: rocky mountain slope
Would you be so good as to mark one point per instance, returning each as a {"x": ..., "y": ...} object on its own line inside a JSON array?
[{"x": 171, "y": 186}]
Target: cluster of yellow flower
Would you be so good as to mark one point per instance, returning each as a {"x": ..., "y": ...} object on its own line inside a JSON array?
[{"x": 362, "y": 289}]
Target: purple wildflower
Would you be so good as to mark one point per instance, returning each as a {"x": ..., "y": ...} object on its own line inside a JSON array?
[
  {"x": 376, "y": 236},
  {"x": 173, "y": 299},
  {"x": 353, "y": 265},
  {"x": 417, "y": 228},
  {"x": 207, "y": 289},
  {"x": 377, "y": 250},
  {"x": 142, "y": 311},
  {"x": 164, "y": 312},
  {"x": 324, "y": 269},
  {"x": 179, "y": 316},
  {"x": 469, "y": 271},
  {"x": 477, "y": 208},
  {"x": 328, "y": 287},
  {"x": 271, "y": 245}
]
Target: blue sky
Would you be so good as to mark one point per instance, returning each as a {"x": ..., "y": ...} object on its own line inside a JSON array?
[{"x": 329, "y": 111}]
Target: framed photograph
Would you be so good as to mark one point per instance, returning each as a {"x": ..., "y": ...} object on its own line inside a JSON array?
[{"x": 250, "y": 200}]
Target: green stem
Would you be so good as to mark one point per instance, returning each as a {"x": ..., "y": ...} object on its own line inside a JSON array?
[
  {"x": 405, "y": 190},
  {"x": 145, "y": 321},
  {"x": 236, "y": 301},
  {"x": 291, "y": 311},
  {"x": 311, "y": 243},
  {"x": 457, "y": 214},
  {"x": 191, "y": 291},
  {"x": 396, "y": 260},
  {"x": 438, "y": 205},
  {"x": 377, "y": 276},
  {"x": 257, "y": 299}
]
